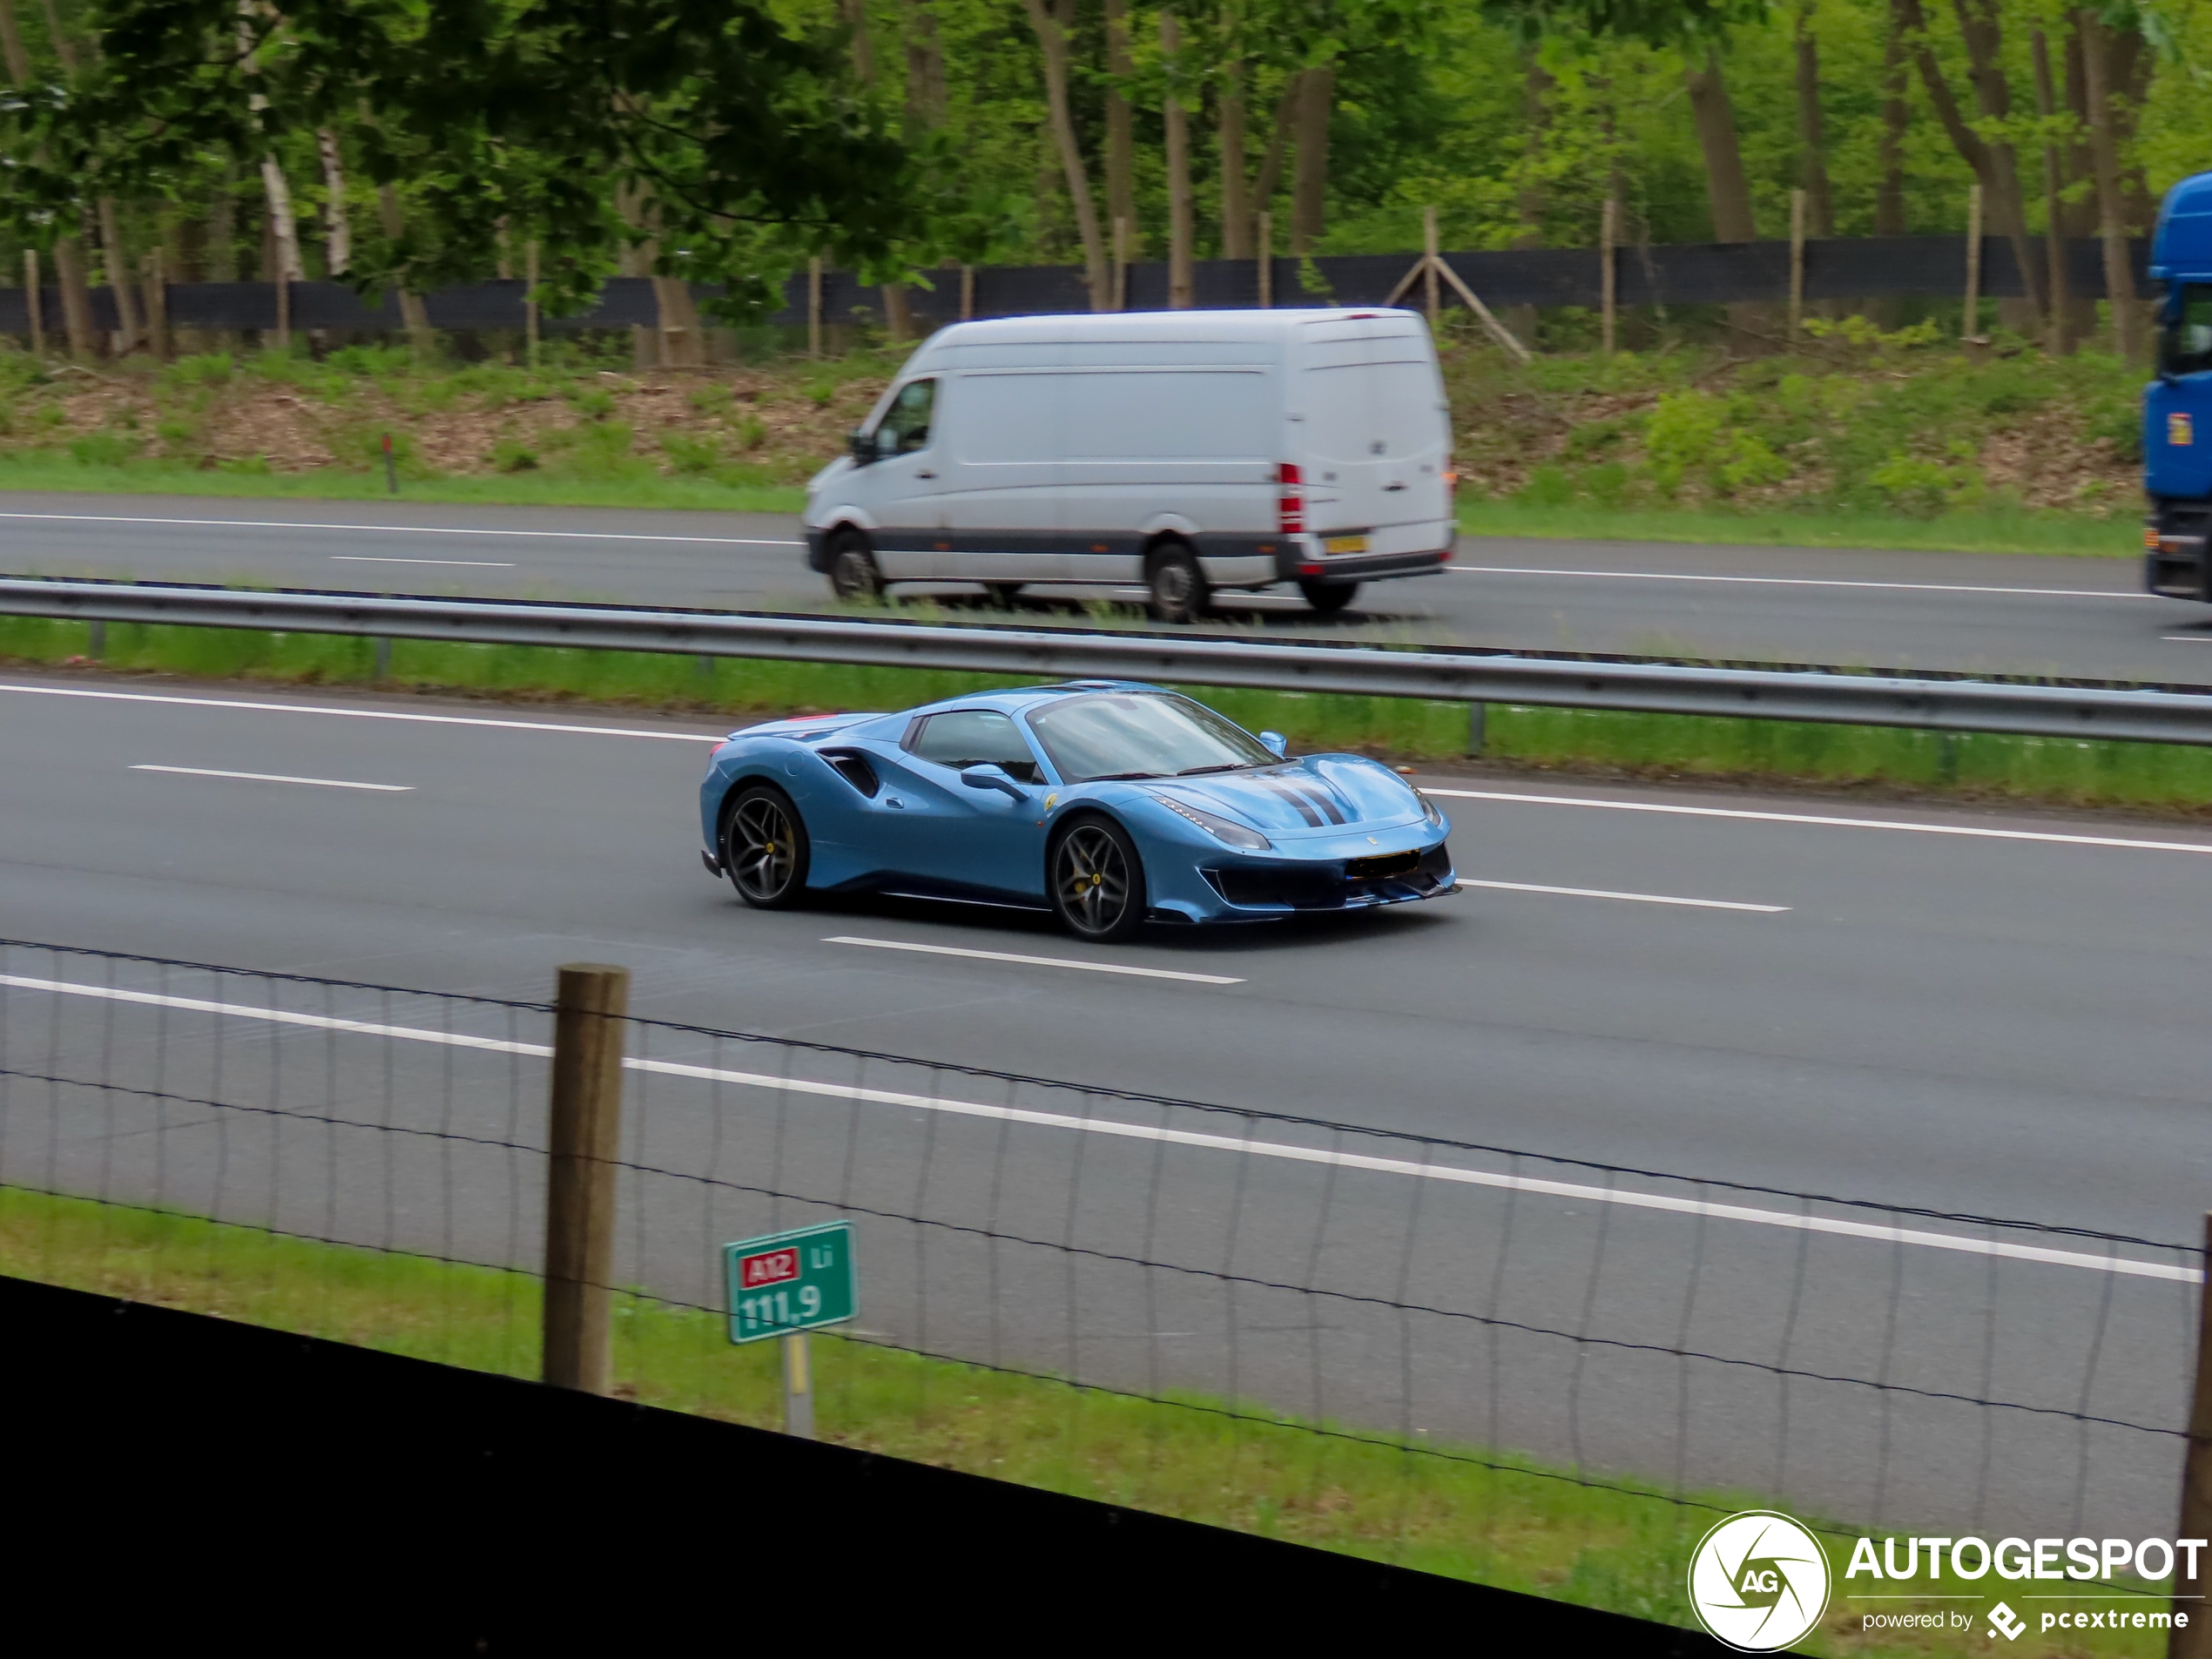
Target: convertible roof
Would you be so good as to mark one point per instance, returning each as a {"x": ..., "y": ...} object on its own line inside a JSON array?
[{"x": 1023, "y": 696}]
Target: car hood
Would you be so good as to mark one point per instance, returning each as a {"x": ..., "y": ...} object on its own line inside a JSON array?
[{"x": 1320, "y": 794}]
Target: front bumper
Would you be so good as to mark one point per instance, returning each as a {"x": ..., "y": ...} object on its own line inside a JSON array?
[
  {"x": 1264, "y": 889},
  {"x": 817, "y": 550},
  {"x": 2174, "y": 562}
]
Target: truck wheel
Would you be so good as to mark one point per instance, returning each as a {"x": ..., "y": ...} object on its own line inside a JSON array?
[
  {"x": 1328, "y": 598},
  {"x": 1178, "y": 587},
  {"x": 852, "y": 573}
]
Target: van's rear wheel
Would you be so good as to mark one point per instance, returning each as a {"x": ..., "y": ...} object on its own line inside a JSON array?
[
  {"x": 1328, "y": 598},
  {"x": 1177, "y": 586},
  {"x": 852, "y": 573}
]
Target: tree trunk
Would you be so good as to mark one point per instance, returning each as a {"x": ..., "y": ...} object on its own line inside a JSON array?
[
  {"x": 13, "y": 58},
  {"x": 1727, "y": 189},
  {"x": 1536, "y": 85},
  {"x": 114, "y": 262},
  {"x": 1279, "y": 138},
  {"x": 221, "y": 260},
  {"x": 414, "y": 316},
  {"x": 2104, "y": 153},
  {"x": 1889, "y": 193},
  {"x": 1121, "y": 142},
  {"x": 1236, "y": 204},
  {"x": 1050, "y": 24},
  {"x": 2060, "y": 339},
  {"x": 853, "y": 13},
  {"x": 1182, "y": 279},
  {"x": 1993, "y": 166},
  {"x": 926, "y": 102},
  {"x": 69, "y": 252},
  {"x": 1979, "y": 24},
  {"x": 1812, "y": 149},
  {"x": 1310, "y": 179},
  {"x": 338, "y": 227}
]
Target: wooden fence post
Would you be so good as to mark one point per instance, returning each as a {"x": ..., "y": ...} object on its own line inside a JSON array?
[
  {"x": 583, "y": 1140},
  {"x": 157, "y": 286},
  {"x": 529, "y": 301},
  {"x": 2195, "y": 1642},
  {"x": 1796, "y": 264},
  {"x": 1267, "y": 261},
  {"x": 31, "y": 294},
  {"x": 1971, "y": 328},
  {"x": 1121, "y": 262},
  {"x": 1608, "y": 274},
  {"x": 814, "y": 307},
  {"x": 967, "y": 293},
  {"x": 284, "y": 309},
  {"x": 1430, "y": 244}
]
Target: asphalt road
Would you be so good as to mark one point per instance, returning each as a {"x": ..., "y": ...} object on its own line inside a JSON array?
[
  {"x": 1959, "y": 1011},
  {"x": 1985, "y": 613}
]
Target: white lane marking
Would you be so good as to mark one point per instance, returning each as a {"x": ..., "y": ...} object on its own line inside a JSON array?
[
  {"x": 2188, "y": 639},
  {"x": 275, "y": 777},
  {"x": 1838, "y": 1227},
  {"x": 1034, "y": 961},
  {"x": 1808, "y": 581},
  {"x": 1824, "y": 821},
  {"x": 1638, "y": 898},
  {"x": 451, "y": 564},
  {"x": 395, "y": 529},
  {"x": 360, "y": 714}
]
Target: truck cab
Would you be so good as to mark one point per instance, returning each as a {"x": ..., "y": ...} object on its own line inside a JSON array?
[{"x": 2178, "y": 406}]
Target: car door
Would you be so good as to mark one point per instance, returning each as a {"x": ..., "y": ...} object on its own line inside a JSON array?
[
  {"x": 906, "y": 481},
  {"x": 963, "y": 840}
]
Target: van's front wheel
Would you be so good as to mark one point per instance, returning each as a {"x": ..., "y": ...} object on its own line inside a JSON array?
[
  {"x": 1328, "y": 598},
  {"x": 852, "y": 573},
  {"x": 1177, "y": 586}
]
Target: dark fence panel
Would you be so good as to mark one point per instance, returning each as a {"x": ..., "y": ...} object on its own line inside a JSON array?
[{"x": 1687, "y": 273}]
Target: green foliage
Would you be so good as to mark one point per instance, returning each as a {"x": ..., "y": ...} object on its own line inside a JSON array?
[
  {"x": 106, "y": 448},
  {"x": 510, "y": 454},
  {"x": 690, "y": 455}
]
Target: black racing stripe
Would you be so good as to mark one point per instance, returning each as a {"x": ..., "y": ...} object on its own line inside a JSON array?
[
  {"x": 1304, "y": 808},
  {"x": 1327, "y": 802}
]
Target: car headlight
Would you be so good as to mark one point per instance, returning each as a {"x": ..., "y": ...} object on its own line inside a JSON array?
[
  {"x": 1220, "y": 828},
  {"x": 1429, "y": 812}
]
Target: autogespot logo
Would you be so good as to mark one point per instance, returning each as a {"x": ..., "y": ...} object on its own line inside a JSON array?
[{"x": 1759, "y": 1581}]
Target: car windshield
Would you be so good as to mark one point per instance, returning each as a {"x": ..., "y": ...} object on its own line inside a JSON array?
[
  {"x": 2186, "y": 346},
  {"x": 1141, "y": 734}
]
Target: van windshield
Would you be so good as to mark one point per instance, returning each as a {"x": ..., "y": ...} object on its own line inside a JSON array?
[{"x": 1141, "y": 734}]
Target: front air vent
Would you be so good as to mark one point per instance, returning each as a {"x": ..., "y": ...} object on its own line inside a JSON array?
[{"x": 852, "y": 765}]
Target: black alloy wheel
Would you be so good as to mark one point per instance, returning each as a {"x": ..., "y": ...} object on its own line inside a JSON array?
[
  {"x": 1328, "y": 598},
  {"x": 852, "y": 573},
  {"x": 1098, "y": 881},
  {"x": 1177, "y": 586},
  {"x": 764, "y": 849}
]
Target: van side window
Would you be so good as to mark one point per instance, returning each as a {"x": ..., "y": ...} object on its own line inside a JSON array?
[
  {"x": 975, "y": 737},
  {"x": 908, "y": 419}
]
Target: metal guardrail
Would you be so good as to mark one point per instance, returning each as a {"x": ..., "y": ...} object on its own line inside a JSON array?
[{"x": 1824, "y": 696}]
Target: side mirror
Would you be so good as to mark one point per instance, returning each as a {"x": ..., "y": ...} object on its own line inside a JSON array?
[
  {"x": 1276, "y": 742},
  {"x": 861, "y": 446},
  {"x": 990, "y": 777}
]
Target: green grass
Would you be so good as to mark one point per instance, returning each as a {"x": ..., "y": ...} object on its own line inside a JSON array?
[
  {"x": 49, "y": 471},
  {"x": 1491, "y": 1518},
  {"x": 1989, "y": 530},
  {"x": 2160, "y": 777}
]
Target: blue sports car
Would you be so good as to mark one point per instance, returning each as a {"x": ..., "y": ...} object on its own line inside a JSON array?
[{"x": 1109, "y": 803}]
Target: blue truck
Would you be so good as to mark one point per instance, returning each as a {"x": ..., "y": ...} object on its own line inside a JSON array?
[{"x": 2177, "y": 407}]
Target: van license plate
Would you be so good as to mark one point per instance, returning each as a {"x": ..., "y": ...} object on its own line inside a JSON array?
[{"x": 1344, "y": 544}]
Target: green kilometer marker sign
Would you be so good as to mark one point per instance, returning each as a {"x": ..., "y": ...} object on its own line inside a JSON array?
[{"x": 792, "y": 1281}]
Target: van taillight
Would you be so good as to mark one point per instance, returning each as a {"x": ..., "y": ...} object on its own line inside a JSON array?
[{"x": 1290, "y": 505}]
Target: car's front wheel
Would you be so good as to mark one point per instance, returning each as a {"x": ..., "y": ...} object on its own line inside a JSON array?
[
  {"x": 1097, "y": 880},
  {"x": 765, "y": 848}
]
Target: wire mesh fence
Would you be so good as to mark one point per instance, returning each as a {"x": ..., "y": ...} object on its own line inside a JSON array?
[{"x": 1480, "y": 1359}]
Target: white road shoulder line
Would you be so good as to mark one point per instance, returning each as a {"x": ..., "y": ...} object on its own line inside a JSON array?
[
  {"x": 451, "y": 564},
  {"x": 1824, "y": 821},
  {"x": 395, "y": 529},
  {"x": 276, "y": 778},
  {"x": 360, "y": 714},
  {"x": 1034, "y": 961},
  {"x": 1581, "y": 1192},
  {"x": 1636, "y": 898},
  {"x": 1806, "y": 581}
]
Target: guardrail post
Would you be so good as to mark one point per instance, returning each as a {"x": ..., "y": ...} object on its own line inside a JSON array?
[
  {"x": 2196, "y": 1640},
  {"x": 1477, "y": 724},
  {"x": 589, "y": 1007}
]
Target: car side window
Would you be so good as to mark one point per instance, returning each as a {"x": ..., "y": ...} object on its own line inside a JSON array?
[
  {"x": 908, "y": 419},
  {"x": 975, "y": 737}
]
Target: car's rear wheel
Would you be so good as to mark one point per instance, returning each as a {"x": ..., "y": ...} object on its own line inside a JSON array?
[
  {"x": 1097, "y": 880},
  {"x": 852, "y": 573},
  {"x": 765, "y": 848},
  {"x": 1176, "y": 585},
  {"x": 1328, "y": 598}
]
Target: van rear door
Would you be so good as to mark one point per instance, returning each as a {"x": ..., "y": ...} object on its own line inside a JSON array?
[{"x": 1369, "y": 415}]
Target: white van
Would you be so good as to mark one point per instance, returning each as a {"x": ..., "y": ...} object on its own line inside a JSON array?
[{"x": 1185, "y": 450}]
